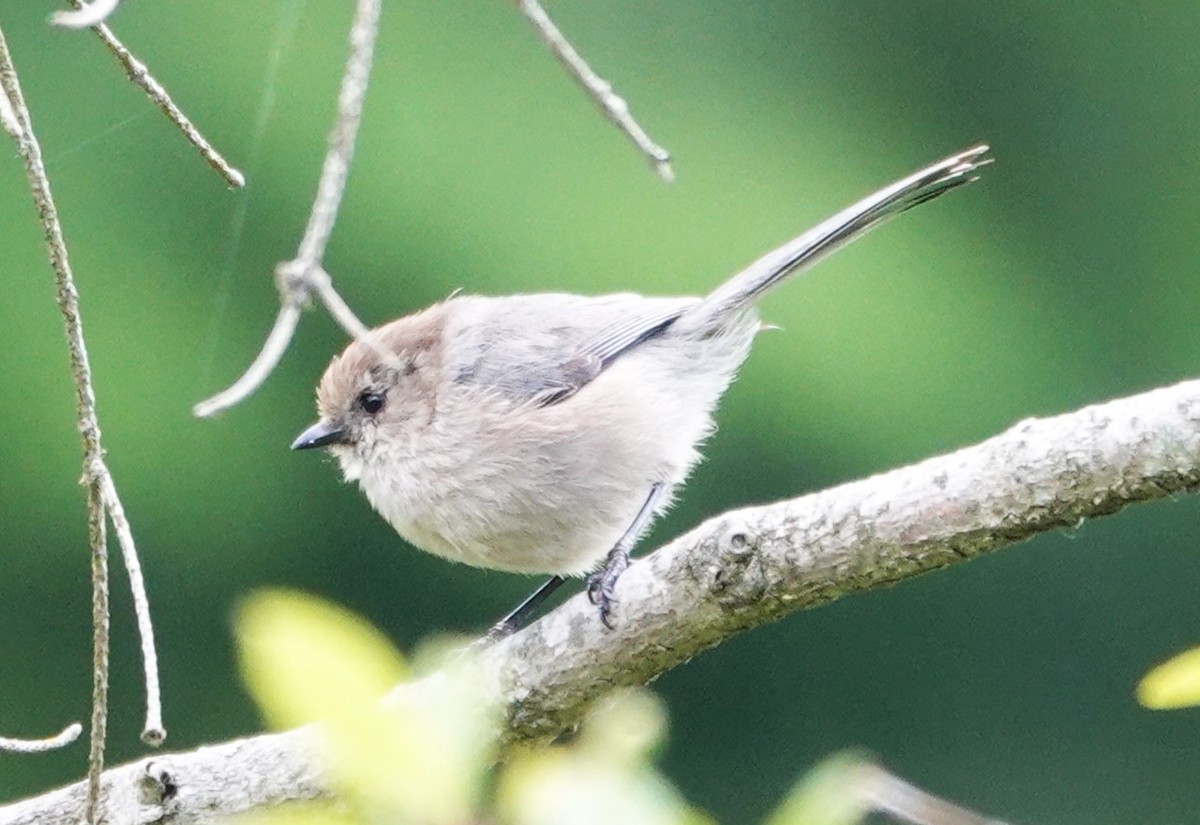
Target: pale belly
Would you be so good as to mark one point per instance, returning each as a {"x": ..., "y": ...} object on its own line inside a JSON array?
[
  {"x": 572, "y": 554},
  {"x": 488, "y": 523}
]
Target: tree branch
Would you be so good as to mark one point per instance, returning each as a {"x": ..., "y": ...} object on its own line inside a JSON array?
[
  {"x": 101, "y": 638},
  {"x": 734, "y": 572},
  {"x": 298, "y": 278},
  {"x": 302, "y": 277},
  {"x": 94, "y": 16},
  {"x": 597, "y": 88},
  {"x": 59, "y": 740},
  {"x": 101, "y": 490}
]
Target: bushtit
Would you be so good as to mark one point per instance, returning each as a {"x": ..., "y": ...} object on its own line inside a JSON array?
[{"x": 543, "y": 433}]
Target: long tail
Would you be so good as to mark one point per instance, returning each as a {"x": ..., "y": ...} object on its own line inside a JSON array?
[{"x": 748, "y": 285}]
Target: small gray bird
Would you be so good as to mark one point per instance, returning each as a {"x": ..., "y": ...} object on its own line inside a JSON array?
[{"x": 543, "y": 433}]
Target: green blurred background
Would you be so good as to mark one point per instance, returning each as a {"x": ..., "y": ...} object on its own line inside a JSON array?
[{"x": 1065, "y": 277}]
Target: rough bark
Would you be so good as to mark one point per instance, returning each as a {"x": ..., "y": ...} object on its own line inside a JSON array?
[{"x": 734, "y": 572}]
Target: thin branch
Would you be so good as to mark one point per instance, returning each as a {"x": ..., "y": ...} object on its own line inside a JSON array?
[
  {"x": 153, "y": 732},
  {"x": 319, "y": 281},
  {"x": 735, "y": 572},
  {"x": 855, "y": 786},
  {"x": 598, "y": 89},
  {"x": 336, "y": 168},
  {"x": 337, "y": 307},
  {"x": 60, "y": 740},
  {"x": 304, "y": 275},
  {"x": 101, "y": 633},
  {"x": 298, "y": 278},
  {"x": 101, "y": 490},
  {"x": 887, "y": 793},
  {"x": 140, "y": 76},
  {"x": 268, "y": 358}
]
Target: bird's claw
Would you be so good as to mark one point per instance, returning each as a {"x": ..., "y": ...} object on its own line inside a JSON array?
[{"x": 602, "y": 584}]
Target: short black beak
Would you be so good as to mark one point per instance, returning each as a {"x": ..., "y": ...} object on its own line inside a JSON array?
[{"x": 320, "y": 434}]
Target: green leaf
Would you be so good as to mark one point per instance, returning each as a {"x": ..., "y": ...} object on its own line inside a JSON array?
[
  {"x": 305, "y": 659},
  {"x": 1173, "y": 684},
  {"x": 829, "y": 794},
  {"x": 419, "y": 755},
  {"x": 303, "y": 813},
  {"x": 604, "y": 777}
]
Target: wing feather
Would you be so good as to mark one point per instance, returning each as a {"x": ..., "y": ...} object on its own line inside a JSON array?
[{"x": 542, "y": 349}]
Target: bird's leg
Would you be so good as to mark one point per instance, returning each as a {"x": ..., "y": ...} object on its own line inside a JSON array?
[
  {"x": 601, "y": 583},
  {"x": 515, "y": 620}
]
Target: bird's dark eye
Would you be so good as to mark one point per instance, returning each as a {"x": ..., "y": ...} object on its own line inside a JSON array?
[{"x": 371, "y": 402}]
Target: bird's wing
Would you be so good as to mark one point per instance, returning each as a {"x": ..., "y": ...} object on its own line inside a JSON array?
[{"x": 542, "y": 349}]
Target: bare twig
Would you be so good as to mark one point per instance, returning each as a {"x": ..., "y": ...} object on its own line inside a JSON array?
[
  {"x": 737, "y": 571},
  {"x": 60, "y": 740},
  {"x": 101, "y": 491},
  {"x": 887, "y": 793},
  {"x": 98, "y": 540},
  {"x": 304, "y": 275},
  {"x": 268, "y": 358},
  {"x": 153, "y": 732},
  {"x": 140, "y": 76},
  {"x": 85, "y": 14},
  {"x": 599, "y": 89},
  {"x": 300, "y": 277},
  {"x": 336, "y": 168},
  {"x": 855, "y": 786},
  {"x": 341, "y": 312}
]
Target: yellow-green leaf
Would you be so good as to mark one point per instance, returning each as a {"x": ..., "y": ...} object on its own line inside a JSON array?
[
  {"x": 301, "y": 813},
  {"x": 418, "y": 756},
  {"x": 1173, "y": 684},
  {"x": 829, "y": 794},
  {"x": 604, "y": 777},
  {"x": 625, "y": 727},
  {"x": 305, "y": 659}
]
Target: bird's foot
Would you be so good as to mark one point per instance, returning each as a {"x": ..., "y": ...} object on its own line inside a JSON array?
[
  {"x": 600, "y": 585},
  {"x": 500, "y": 630}
]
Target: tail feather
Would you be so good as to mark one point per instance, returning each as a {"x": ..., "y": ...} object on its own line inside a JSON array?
[{"x": 736, "y": 294}]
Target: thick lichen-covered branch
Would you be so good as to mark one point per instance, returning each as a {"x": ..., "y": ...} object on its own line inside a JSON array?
[{"x": 735, "y": 572}]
